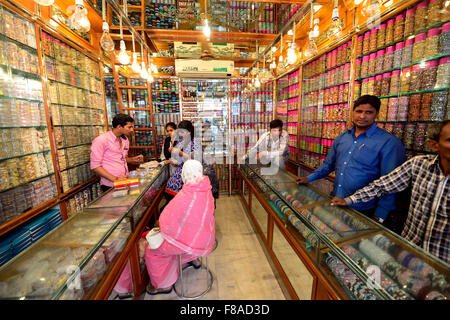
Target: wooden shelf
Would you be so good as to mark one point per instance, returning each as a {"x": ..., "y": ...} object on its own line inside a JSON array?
[{"x": 24, "y": 217}]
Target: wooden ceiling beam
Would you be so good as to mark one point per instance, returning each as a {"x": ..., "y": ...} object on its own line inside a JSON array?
[
  {"x": 198, "y": 36},
  {"x": 283, "y": 1}
]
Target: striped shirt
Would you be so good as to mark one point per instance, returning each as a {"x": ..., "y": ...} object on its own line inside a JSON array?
[{"x": 427, "y": 224}]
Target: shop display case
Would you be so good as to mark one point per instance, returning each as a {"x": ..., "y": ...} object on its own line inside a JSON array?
[
  {"x": 205, "y": 104},
  {"x": 288, "y": 91},
  {"x": 160, "y": 14},
  {"x": 252, "y": 16},
  {"x": 76, "y": 105},
  {"x": 352, "y": 256},
  {"x": 251, "y": 113},
  {"x": 406, "y": 62},
  {"x": 324, "y": 103},
  {"x": 27, "y": 178},
  {"x": 285, "y": 12},
  {"x": 166, "y": 106},
  {"x": 73, "y": 261}
]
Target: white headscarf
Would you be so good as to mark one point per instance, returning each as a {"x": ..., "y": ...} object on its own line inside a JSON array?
[{"x": 192, "y": 171}]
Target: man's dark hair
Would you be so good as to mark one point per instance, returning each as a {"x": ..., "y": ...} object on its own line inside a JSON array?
[
  {"x": 172, "y": 125},
  {"x": 374, "y": 101},
  {"x": 277, "y": 123},
  {"x": 434, "y": 130},
  {"x": 186, "y": 124},
  {"x": 121, "y": 119}
]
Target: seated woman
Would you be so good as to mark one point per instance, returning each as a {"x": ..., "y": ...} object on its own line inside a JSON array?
[
  {"x": 187, "y": 148},
  {"x": 187, "y": 225}
]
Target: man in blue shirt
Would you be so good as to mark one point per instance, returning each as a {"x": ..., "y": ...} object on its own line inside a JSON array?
[{"x": 360, "y": 155}]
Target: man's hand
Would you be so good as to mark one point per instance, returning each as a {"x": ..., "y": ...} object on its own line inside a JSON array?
[
  {"x": 376, "y": 219},
  {"x": 336, "y": 201},
  {"x": 139, "y": 158},
  {"x": 167, "y": 161},
  {"x": 122, "y": 177},
  {"x": 302, "y": 180}
]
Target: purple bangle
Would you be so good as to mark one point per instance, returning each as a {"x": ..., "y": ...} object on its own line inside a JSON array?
[{"x": 407, "y": 259}]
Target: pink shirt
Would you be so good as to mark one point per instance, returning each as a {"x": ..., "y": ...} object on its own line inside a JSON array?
[{"x": 106, "y": 153}]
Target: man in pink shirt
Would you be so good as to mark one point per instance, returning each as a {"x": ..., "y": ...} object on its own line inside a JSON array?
[{"x": 109, "y": 152}]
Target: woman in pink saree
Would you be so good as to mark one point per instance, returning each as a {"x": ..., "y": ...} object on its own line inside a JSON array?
[{"x": 187, "y": 225}]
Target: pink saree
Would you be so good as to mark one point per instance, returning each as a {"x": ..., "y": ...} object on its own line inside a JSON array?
[{"x": 187, "y": 225}]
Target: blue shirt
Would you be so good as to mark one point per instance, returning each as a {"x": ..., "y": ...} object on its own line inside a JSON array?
[{"x": 359, "y": 161}]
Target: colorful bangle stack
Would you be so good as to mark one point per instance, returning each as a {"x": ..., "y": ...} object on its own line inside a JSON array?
[
  {"x": 410, "y": 261},
  {"x": 344, "y": 275},
  {"x": 390, "y": 286}
]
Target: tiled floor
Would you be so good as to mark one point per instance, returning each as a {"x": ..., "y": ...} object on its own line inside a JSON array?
[{"x": 240, "y": 267}]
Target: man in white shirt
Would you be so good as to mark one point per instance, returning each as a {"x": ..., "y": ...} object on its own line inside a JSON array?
[{"x": 272, "y": 147}]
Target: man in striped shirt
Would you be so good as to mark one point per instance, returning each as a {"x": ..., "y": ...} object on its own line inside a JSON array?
[{"x": 427, "y": 224}]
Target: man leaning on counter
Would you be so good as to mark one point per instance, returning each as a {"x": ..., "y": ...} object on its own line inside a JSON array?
[{"x": 109, "y": 152}]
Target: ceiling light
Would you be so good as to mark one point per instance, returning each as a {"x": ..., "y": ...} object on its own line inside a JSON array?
[
  {"x": 123, "y": 57},
  {"x": 206, "y": 29},
  {"x": 336, "y": 23},
  {"x": 45, "y": 2},
  {"x": 78, "y": 20},
  {"x": 135, "y": 65},
  {"x": 106, "y": 42}
]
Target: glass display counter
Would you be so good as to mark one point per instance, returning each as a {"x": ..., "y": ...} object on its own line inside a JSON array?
[
  {"x": 72, "y": 261},
  {"x": 357, "y": 257}
]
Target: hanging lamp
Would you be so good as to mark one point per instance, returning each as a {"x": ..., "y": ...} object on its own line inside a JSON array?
[
  {"x": 311, "y": 47},
  {"x": 106, "y": 42},
  {"x": 78, "y": 20},
  {"x": 123, "y": 57},
  {"x": 135, "y": 65},
  {"x": 336, "y": 22}
]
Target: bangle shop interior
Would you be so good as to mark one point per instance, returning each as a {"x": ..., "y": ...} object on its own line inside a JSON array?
[{"x": 67, "y": 67}]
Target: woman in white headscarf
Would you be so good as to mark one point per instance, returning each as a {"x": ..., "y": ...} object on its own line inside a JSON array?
[{"x": 187, "y": 226}]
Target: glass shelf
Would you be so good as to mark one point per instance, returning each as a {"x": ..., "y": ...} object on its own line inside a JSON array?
[
  {"x": 71, "y": 85},
  {"x": 404, "y": 38},
  {"x": 319, "y": 121},
  {"x": 414, "y": 92},
  {"x": 25, "y": 74},
  {"x": 77, "y": 69},
  {"x": 72, "y": 106},
  {"x": 21, "y": 99},
  {"x": 328, "y": 87},
  {"x": 20, "y": 44},
  {"x": 78, "y": 145},
  {"x": 29, "y": 181},
  {"x": 23, "y": 155},
  {"x": 404, "y": 66}
]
